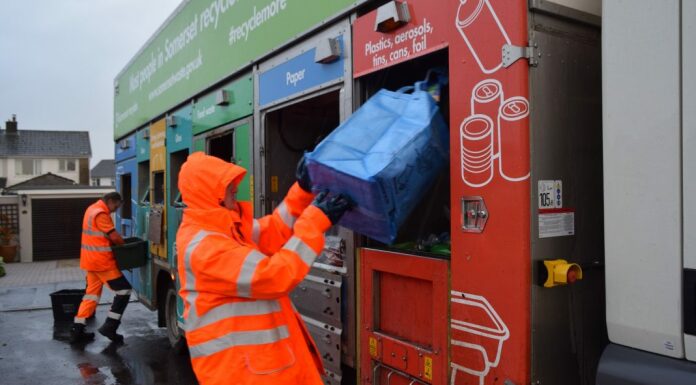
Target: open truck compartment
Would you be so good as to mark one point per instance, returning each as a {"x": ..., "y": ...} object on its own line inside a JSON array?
[{"x": 303, "y": 96}]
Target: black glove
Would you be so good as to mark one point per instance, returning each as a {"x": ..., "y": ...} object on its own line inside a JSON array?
[
  {"x": 302, "y": 175},
  {"x": 334, "y": 207}
]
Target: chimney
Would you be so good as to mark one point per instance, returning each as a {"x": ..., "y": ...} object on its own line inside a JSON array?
[{"x": 11, "y": 125}]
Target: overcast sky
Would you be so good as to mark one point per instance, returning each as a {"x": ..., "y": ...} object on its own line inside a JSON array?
[{"x": 58, "y": 60}]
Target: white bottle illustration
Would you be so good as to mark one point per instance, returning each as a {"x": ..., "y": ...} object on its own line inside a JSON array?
[
  {"x": 478, "y": 334},
  {"x": 483, "y": 33}
]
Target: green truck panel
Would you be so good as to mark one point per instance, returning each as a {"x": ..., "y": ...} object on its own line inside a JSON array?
[
  {"x": 203, "y": 43},
  {"x": 209, "y": 113}
]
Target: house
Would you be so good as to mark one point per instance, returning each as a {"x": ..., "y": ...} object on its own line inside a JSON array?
[
  {"x": 44, "y": 179},
  {"x": 104, "y": 173},
  {"x": 25, "y": 154}
]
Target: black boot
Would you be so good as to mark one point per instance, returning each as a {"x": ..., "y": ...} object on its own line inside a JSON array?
[
  {"x": 78, "y": 334},
  {"x": 108, "y": 330}
]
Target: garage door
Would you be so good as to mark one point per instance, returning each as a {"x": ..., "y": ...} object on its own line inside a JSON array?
[{"x": 57, "y": 227}]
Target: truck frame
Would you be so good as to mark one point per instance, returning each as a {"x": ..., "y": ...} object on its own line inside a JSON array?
[{"x": 512, "y": 268}]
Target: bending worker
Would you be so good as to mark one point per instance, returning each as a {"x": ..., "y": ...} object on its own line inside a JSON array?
[
  {"x": 96, "y": 257},
  {"x": 236, "y": 273}
]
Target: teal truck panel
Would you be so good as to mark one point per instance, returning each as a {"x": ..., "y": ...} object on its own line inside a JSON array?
[
  {"x": 204, "y": 42},
  {"x": 142, "y": 144},
  {"x": 208, "y": 114},
  {"x": 174, "y": 216},
  {"x": 179, "y": 137},
  {"x": 144, "y": 274}
]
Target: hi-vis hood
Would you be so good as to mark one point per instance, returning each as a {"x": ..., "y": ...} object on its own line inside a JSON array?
[{"x": 203, "y": 180}]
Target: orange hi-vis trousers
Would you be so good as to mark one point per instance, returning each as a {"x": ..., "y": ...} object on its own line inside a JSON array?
[{"x": 95, "y": 282}]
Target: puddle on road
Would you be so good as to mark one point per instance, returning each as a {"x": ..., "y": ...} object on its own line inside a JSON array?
[{"x": 39, "y": 352}]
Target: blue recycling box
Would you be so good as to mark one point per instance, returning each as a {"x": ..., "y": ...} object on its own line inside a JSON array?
[{"x": 385, "y": 156}]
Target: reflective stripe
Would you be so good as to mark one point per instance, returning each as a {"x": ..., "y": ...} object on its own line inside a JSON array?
[
  {"x": 285, "y": 215},
  {"x": 93, "y": 239},
  {"x": 190, "y": 286},
  {"x": 97, "y": 248},
  {"x": 238, "y": 339},
  {"x": 89, "y": 221},
  {"x": 247, "y": 273},
  {"x": 113, "y": 315},
  {"x": 256, "y": 231},
  {"x": 123, "y": 292},
  {"x": 233, "y": 309},
  {"x": 90, "y": 297},
  {"x": 81, "y": 321},
  {"x": 190, "y": 278},
  {"x": 302, "y": 249},
  {"x": 94, "y": 233}
]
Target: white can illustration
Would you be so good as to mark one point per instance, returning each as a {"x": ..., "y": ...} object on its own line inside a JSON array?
[
  {"x": 478, "y": 334},
  {"x": 513, "y": 139},
  {"x": 476, "y": 133},
  {"x": 486, "y": 98},
  {"x": 483, "y": 33}
]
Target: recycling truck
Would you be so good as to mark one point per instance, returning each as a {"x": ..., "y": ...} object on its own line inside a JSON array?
[{"x": 556, "y": 246}]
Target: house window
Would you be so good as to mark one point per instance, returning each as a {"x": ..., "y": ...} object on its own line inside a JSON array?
[
  {"x": 67, "y": 165},
  {"x": 95, "y": 181},
  {"x": 27, "y": 166}
]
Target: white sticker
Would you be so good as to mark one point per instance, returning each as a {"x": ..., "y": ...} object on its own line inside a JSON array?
[
  {"x": 550, "y": 194},
  {"x": 556, "y": 224}
]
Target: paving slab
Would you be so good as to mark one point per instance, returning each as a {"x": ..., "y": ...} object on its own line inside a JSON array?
[
  {"x": 27, "y": 286},
  {"x": 38, "y": 273}
]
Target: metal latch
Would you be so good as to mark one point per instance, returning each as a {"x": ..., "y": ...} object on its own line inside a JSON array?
[
  {"x": 391, "y": 16},
  {"x": 171, "y": 120},
  {"x": 327, "y": 51},
  {"x": 474, "y": 214},
  {"x": 222, "y": 98},
  {"x": 513, "y": 53}
]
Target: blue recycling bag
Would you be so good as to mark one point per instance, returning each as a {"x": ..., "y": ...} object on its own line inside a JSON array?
[{"x": 385, "y": 156}]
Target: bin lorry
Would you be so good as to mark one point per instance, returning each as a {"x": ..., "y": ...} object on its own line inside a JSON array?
[{"x": 556, "y": 247}]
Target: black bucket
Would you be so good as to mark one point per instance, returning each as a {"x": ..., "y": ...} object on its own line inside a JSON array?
[{"x": 65, "y": 304}]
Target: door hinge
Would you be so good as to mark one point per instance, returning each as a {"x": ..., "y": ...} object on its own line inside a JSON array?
[
  {"x": 513, "y": 53},
  {"x": 262, "y": 151}
]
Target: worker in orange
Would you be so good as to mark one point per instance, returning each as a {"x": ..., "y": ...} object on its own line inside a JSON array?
[
  {"x": 96, "y": 257},
  {"x": 236, "y": 273}
]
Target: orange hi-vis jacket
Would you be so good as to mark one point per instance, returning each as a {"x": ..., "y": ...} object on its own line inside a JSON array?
[
  {"x": 236, "y": 273},
  {"x": 95, "y": 254}
]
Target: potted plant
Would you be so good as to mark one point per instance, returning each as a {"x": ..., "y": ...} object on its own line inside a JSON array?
[{"x": 8, "y": 250}]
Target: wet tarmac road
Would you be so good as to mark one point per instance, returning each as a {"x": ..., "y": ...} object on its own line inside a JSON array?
[{"x": 33, "y": 351}]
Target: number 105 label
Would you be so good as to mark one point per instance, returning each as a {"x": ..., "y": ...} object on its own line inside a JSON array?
[{"x": 550, "y": 194}]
